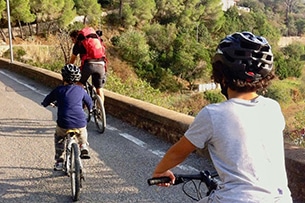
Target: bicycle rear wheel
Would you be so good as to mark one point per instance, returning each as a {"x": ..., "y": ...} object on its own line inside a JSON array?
[
  {"x": 100, "y": 114},
  {"x": 75, "y": 172}
]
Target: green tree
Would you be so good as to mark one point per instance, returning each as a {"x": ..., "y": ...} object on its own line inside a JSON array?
[
  {"x": 300, "y": 25},
  {"x": 233, "y": 23},
  {"x": 254, "y": 5},
  {"x": 138, "y": 12},
  {"x": 68, "y": 14},
  {"x": 144, "y": 11},
  {"x": 212, "y": 15},
  {"x": 190, "y": 59},
  {"x": 128, "y": 16},
  {"x": 169, "y": 10},
  {"x": 90, "y": 9},
  {"x": 20, "y": 12},
  {"x": 2, "y": 8},
  {"x": 46, "y": 11},
  {"x": 160, "y": 38},
  {"x": 133, "y": 46},
  {"x": 288, "y": 61}
]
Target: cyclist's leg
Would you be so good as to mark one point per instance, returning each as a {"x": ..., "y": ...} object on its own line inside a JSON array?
[
  {"x": 86, "y": 72},
  {"x": 83, "y": 142},
  {"x": 59, "y": 143},
  {"x": 99, "y": 78}
]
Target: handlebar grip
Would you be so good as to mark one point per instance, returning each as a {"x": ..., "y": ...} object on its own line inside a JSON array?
[{"x": 155, "y": 181}]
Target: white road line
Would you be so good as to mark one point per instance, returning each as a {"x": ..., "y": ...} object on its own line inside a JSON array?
[
  {"x": 22, "y": 83},
  {"x": 133, "y": 139},
  {"x": 125, "y": 135},
  {"x": 156, "y": 152}
]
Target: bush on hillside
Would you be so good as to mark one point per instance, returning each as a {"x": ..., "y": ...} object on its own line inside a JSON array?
[
  {"x": 285, "y": 92},
  {"x": 214, "y": 96}
]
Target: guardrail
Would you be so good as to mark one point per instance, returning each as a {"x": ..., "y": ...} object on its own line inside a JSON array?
[{"x": 161, "y": 122}]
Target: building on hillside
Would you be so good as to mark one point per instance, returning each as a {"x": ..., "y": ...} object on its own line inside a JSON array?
[{"x": 226, "y": 4}]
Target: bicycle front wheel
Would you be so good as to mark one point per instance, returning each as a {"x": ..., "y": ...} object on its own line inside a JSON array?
[
  {"x": 100, "y": 114},
  {"x": 75, "y": 172}
]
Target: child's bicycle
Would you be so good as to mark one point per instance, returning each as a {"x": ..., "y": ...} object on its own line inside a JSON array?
[
  {"x": 72, "y": 164},
  {"x": 192, "y": 183},
  {"x": 98, "y": 113}
]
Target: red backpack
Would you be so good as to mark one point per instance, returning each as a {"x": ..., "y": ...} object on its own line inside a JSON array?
[{"x": 93, "y": 44}]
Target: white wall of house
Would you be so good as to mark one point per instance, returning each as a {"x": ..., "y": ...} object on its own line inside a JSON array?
[{"x": 226, "y": 4}]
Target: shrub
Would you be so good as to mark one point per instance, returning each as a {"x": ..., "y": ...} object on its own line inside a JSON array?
[
  {"x": 214, "y": 96},
  {"x": 133, "y": 47},
  {"x": 284, "y": 91}
]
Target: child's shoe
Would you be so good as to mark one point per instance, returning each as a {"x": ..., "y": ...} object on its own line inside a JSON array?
[
  {"x": 84, "y": 152},
  {"x": 58, "y": 166}
]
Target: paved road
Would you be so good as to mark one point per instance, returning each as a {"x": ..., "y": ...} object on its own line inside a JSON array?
[{"x": 121, "y": 159}]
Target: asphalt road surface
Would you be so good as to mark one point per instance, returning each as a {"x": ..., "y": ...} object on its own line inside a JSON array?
[{"x": 121, "y": 159}]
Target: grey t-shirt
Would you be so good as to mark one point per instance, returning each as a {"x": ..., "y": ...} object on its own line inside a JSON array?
[{"x": 245, "y": 141}]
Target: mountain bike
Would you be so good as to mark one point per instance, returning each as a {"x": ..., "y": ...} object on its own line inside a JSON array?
[
  {"x": 72, "y": 164},
  {"x": 98, "y": 112},
  {"x": 192, "y": 183}
]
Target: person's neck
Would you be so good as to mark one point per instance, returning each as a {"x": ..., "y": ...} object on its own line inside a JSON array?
[{"x": 242, "y": 95}]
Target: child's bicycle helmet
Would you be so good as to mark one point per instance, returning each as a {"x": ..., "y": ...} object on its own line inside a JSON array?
[
  {"x": 71, "y": 73},
  {"x": 247, "y": 57}
]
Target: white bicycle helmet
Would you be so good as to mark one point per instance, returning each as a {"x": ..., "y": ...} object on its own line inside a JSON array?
[{"x": 71, "y": 73}]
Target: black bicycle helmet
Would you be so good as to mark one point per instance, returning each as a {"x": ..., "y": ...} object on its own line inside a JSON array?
[
  {"x": 247, "y": 56},
  {"x": 71, "y": 73}
]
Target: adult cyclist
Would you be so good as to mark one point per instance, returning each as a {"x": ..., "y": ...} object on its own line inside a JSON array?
[
  {"x": 244, "y": 134},
  {"x": 89, "y": 67}
]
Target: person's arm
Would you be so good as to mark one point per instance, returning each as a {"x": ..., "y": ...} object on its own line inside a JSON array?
[
  {"x": 88, "y": 101},
  {"x": 174, "y": 156},
  {"x": 72, "y": 59},
  {"x": 49, "y": 99},
  {"x": 75, "y": 52}
]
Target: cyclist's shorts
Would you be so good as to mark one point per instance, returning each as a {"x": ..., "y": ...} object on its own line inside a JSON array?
[{"x": 97, "y": 70}]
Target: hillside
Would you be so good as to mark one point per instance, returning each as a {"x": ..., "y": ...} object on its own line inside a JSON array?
[{"x": 124, "y": 71}]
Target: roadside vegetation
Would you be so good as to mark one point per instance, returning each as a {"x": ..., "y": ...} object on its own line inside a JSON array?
[{"x": 160, "y": 51}]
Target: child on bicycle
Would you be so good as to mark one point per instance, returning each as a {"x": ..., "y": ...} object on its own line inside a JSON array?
[
  {"x": 69, "y": 99},
  {"x": 244, "y": 135}
]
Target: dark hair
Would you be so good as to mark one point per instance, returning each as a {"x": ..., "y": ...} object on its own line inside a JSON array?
[
  {"x": 74, "y": 34},
  {"x": 220, "y": 75}
]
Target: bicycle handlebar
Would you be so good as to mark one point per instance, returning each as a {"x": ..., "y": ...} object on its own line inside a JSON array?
[
  {"x": 203, "y": 176},
  {"x": 206, "y": 177}
]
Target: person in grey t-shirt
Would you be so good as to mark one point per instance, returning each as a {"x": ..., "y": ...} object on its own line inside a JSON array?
[{"x": 244, "y": 134}]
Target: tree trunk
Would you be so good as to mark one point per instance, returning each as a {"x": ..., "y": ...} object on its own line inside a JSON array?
[
  {"x": 3, "y": 35},
  {"x": 121, "y": 9},
  {"x": 30, "y": 29},
  {"x": 13, "y": 37},
  {"x": 20, "y": 28}
]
